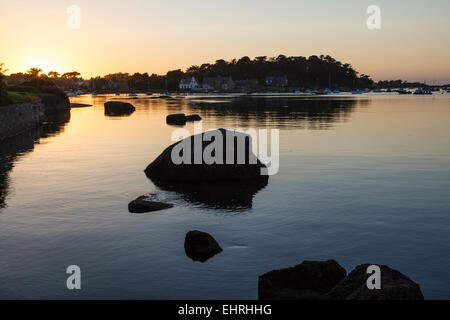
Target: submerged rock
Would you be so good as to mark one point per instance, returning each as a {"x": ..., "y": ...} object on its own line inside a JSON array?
[
  {"x": 200, "y": 246},
  {"x": 118, "y": 108},
  {"x": 192, "y": 166},
  {"x": 306, "y": 281},
  {"x": 394, "y": 286},
  {"x": 143, "y": 204}
]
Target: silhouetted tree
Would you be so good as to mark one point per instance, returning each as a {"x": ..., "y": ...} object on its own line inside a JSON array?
[
  {"x": 315, "y": 71},
  {"x": 3, "y": 93},
  {"x": 34, "y": 72},
  {"x": 71, "y": 75},
  {"x": 53, "y": 74},
  {"x": 173, "y": 79}
]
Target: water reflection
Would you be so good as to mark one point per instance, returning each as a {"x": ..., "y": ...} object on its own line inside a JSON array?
[
  {"x": 283, "y": 113},
  {"x": 244, "y": 112},
  {"x": 12, "y": 148},
  {"x": 226, "y": 196},
  {"x": 259, "y": 112}
]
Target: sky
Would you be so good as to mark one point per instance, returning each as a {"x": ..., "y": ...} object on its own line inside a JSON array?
[{"x": 156, "y": 36}]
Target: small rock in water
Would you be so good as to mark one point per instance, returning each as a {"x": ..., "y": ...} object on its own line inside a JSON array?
[
  {"x": 394, "y": 286},
  {"x": 200, "y": 246},
  {"x": 306, "y": 281},
  {"x": 177, "y": 119},
  {"x": 144, "y": 204},
  {"x": 193, "y": 117},
  {"x": 181, "y": 118}
]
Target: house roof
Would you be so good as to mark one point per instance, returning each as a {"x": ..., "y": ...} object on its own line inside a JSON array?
[{"x": 187, "y": 80}]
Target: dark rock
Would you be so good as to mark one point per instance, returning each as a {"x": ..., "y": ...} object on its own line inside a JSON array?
[
  {"x": 163, "y": 169},
  {"x": 176, "y": 119},
  {"x": 144, "y": 204},
  {"x": 394, "y": 286},
  {"x": 193, "y": 117},
  {"x": 200, "y": 246},
  {"x": 118, "y": 108},
  {"x": 180, "y": 119},
  {"x": 306, "y": 281}
]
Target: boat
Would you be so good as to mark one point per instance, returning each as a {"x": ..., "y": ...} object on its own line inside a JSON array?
[
  {"x": 377, "y": 90},
  {"x": 357, "y": 92},
  {"x": 132, "y": 95},
  {"x": 403, "y": 91},
  {"x": 336, "y": 92},
  {"x": 117, "y": 94},
  {"x": 422, "y": 91}
]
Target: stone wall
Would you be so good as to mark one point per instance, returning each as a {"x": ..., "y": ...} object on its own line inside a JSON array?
[{"x": 15, "y": 119}]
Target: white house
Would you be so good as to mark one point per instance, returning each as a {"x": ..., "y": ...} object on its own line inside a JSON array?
[{"x": 189, "y": 83}]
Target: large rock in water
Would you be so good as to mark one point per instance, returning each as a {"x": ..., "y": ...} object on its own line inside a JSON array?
[
  {"x": 394, "y": 286},
  {"x": 195, "y": 169},
  {"x": 118, "y": 108},
  {"x": 306, "y": 281},
  {"x": 200, "y": 246}
]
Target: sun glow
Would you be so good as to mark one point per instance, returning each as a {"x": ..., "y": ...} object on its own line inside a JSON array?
[{"x": 45, "y": 65}]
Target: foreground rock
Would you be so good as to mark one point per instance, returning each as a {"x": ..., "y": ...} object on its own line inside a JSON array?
[
  {"x": 195, "y": 169},
  {"x": 118, "y": 108},
  {"x": 181, "y": 118},
  {"x": 144, "y": 204},
  {"x": 394, "y": 286},
  {"x": 200, "y": 246},
  {"x": 306, "y": 281}
]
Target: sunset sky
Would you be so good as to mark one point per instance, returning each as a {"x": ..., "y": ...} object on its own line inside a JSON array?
[{"x": 155, "y": 36}]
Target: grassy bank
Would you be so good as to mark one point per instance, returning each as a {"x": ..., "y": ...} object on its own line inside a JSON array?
[
  {"x": 20, "y": 97},
  {"x": 34, "y": 91}
]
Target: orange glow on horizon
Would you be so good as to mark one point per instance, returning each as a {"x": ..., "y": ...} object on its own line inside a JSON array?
[{"x": 155, "y": 37}]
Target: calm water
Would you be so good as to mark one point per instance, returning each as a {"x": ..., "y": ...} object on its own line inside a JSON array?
[{"x": 362, "y": 180}]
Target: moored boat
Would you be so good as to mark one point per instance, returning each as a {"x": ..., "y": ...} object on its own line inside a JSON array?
[{"x": 422, "y": 91}]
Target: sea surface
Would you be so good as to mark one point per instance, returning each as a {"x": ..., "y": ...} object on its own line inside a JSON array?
[{"x": 362, "y": 179}]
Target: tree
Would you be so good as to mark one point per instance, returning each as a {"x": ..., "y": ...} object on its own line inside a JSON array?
[
  {"x": 71, "y": 75},
  {"x": 313, "y": 72},
  {"x": 3, "y": 93},
  {"x": 173, "y": 79},
  {"x": 34, "y": 72},
  {"x": 53, "y": 74}
]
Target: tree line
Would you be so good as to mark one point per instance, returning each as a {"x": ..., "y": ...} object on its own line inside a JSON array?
[{"x": 310, "y": 73}]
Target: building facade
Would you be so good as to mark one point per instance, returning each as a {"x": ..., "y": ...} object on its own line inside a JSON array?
[{"x": 189, "y": 84}]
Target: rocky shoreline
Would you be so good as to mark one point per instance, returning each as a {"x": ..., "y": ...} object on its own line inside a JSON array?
[{"x": 18, "y": 118}]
